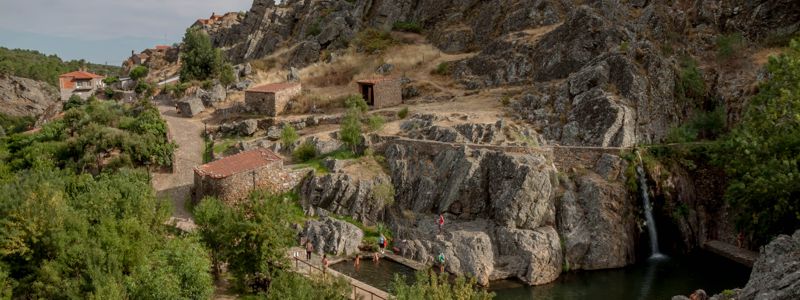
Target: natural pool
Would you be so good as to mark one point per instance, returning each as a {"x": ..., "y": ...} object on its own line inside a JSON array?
[
  {"x": 378, "y": 274},
  {"x": 653, "y": 279}
]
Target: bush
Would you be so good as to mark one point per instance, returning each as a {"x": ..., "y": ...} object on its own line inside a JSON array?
[
  {"x": 200, "y": 60},
  {"x": 384, "y": 194},
  {"x": 143, "y": 88},
  {"x": 138, "y": 72},
  {"x": 442, "y": 69},
  {"x": 288, "y": 136},
  {"x": 72, "y": 102},
  {"x": 433, "y": 286},
  {"x": 375, "y": 123},
  {"x": 305, "y": 152},
  {"x": 729, "y": 45},
  {"x": 350, "y": 129},
  {"x": 373, "y": 41},
  {"x": 315, "y": 29},
  {"x": 226, "y": 76},
  {"x": 505, "y": 100},
  {"x": 356, "y": 101},
  {"x": 690, "y": 85},
  {"x": 111, "y": 80},
  {"x": 403, "y": 113},
  {"x": 407, "y": 26}
]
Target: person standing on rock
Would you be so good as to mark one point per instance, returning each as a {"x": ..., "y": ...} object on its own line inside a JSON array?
[
  {"x": 440, "y": 221},
  {"x": 325, "y": 263},
  {"x": 440, "y": 261},
  {"x": 382, "y": 242},
  {"x": 309, "y": 249}
]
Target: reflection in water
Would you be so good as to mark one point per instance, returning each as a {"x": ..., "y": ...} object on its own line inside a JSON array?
[
  {"x": 378, "y": 274},
  {"x": 653, "y": 279}
]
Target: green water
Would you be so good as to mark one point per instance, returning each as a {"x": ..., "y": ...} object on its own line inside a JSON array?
[
  {"x": 655, "y": 279},
  {"x": 379, "y": 275}
]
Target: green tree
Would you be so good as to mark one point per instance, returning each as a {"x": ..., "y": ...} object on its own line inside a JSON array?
[
  {"x": 438, "y": 287},
  {"x": 200, "y": 60},
  {"x": 350, "y": 129},
  {"x": 356, "y": 101},
  {"x": 251, "y": 237},
  {"x": 139, "y": 72},
  {"x": 762, "y": 154},
  {"x": 226, "y": 75},
  {"x": 73, "y": 101},
  {"x": 288, "y": 136}
]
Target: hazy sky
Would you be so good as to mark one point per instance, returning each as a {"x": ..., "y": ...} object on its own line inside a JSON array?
[{"x": 102, "y": 30}]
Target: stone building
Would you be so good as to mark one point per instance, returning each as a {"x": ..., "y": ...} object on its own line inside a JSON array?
[
  {"x": 271, "y": 99},
  {"x": 81, "y": 83},
  {"x": 234, "y": 177},
  {"x": 381, "y": 92}
]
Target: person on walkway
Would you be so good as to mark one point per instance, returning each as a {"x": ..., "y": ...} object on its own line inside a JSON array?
[
  {"x": 440, "y": 221},
  {"x": 309, "y": 249},
  {"x": 325, "y": 263},
  {"x": 382, "y": 242},
  {"x": 440, "y": 261}
]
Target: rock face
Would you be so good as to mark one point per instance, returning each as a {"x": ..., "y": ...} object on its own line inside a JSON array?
[
  {"x": 776, "y": 274},
  {"x": 333, "y": 236},
  {"x": 344, "y": 194},
  {"x": 26, "y": 97}
]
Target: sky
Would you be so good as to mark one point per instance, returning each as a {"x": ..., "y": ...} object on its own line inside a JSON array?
[{"x": 102, "y": 31}]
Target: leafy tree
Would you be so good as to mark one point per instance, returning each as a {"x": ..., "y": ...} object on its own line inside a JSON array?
[
  {"x": 438, "y": 287},
  {"x": 356, "y": 101},
  {"x": 73, "y": 101},
  {"x": 762, "y": 153},
  {"x": 288, "y": 135},
  {"x": 690, "y": 84},
  {"x": 251, "y": 237},
  {"x": 226, "y": 75},
  {"x": 139, "y": 72},
  {"x": 350, "y": 129},
  {"x": 35, "y": 65},
  {"x": 200, "y": 60}
]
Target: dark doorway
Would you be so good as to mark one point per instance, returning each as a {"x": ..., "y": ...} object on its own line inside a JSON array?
[{"x": 368, "y": 92}]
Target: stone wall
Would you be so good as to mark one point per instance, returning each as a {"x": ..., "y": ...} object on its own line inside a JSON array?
[
  {"x": 272, "y": 177},
  {"x": 388, "y": 93},
  {"x": 271, "y": 104}
]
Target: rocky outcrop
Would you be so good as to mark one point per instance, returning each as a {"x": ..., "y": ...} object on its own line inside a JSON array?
[
  {"x": 26, "y": 97},
  {"x": 344, "y": 194},
  {"x": 333, "y": 236},
  {"x": 776, "y": 274}
]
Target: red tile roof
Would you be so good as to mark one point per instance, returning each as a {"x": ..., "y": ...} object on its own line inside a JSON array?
[
  {"x": 273, "y": 87},
  {"x": 81, "y": 75},
  {"x": 239, "y": 163},
  {"x": 376, "y": 80},
  {"x": 162, "y": 47}
]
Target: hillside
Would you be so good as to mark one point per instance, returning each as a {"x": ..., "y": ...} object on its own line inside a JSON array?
[{"x": 37, "y": 66}]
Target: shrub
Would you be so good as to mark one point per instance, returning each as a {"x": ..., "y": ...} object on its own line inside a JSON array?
[
  {"x": 403, "y": 113},
  {"x": 505, "y": 100},
  {"x": 143, "y": 88},
  {"x": 305, "y": 152},
  {"x": 350, "y": 129},
  {"x": 384, "y": 194},
  {"x": 200, "y": 60},
  {"x": 729, "y": 45},
  {"x": 288, "y": 135},
  {"x": 690, "y": 85},
  {"x": 407, "y": 26},
  {"x": 373, "y": 41},
  {"x": 226, "y": 76},
  {"x": 109, "y": 92},
  {"x": 356, "y": 101},
  {"x": 442, "y": 69},
  {"x": 375, "y": 123},
  {"x": 315, "y": 29},
  {"x": 433, "y": 286},
  {"x": 72, "y": 102},
  {"x": 139, "y": 72},
  {"x": 111, "y": 80}
]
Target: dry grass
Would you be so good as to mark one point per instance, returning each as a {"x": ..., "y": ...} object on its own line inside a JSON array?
[{"x": 761, "y": 57}]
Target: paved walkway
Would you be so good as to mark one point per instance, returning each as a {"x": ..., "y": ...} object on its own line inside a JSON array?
[
  {"x": 739, "y": 255},
  {"x": 186, "y": 133}
]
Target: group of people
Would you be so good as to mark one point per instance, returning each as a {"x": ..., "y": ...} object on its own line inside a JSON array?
[{"x": 383, "y": 242}]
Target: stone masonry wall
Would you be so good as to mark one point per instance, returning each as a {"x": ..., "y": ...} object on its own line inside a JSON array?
[
  {"x": 271, "y": 104},
  {"x": 231, "y": 189},
  {"x": 282, "y": 97},
  {"x": 388, "y": 93}
]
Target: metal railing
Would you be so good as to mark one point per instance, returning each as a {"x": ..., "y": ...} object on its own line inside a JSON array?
[{"x": 356, "y": 289}]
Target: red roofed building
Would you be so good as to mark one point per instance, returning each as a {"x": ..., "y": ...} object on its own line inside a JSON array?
[
  {"x": 233, "y": 177},
  {"x": 271, "y": 99},
  {"x": 80, "y": 83},
  {"x": 381, "y": 91}
]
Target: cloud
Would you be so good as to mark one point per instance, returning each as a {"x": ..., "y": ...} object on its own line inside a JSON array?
[{"x": 109, "y": 19}]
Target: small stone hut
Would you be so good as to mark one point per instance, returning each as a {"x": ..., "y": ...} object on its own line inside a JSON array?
[
  {"x": 190, "y": 107},
  {"x": 381, "y": 92},
  {"x": 271, "y": 99},
  {"x": 234, "y": 177}
]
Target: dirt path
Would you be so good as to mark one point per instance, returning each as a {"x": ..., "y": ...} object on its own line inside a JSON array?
[{"x": 186, "y": 133}]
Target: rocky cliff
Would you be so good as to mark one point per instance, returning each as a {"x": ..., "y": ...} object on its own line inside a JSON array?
[
  {"x": 27, "y": 97},
  {"x": 509, "y": 213}
]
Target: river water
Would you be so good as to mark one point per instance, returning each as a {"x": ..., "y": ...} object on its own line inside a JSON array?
[{"x": 652, "y": 279}]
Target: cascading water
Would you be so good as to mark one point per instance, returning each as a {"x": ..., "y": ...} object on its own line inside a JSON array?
[{"x": 648, "y": 211}]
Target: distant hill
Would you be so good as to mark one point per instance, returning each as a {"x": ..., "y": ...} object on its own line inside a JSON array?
[{"x": 38, "y": 66}]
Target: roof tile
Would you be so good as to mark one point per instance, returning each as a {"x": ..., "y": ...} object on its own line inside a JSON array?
[
  {"x": 239, "y": 163},
  {"x": 80, "y": 75}
]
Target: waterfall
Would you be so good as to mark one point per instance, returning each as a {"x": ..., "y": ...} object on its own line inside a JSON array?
[{"x": 648, "y": 211}]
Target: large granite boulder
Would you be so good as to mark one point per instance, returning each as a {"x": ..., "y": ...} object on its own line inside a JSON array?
[
  {"x": 333, "y": 236},
  {"x": 776, "y": 274},
  {"x": 26, "y": 97},
  {"x": 344, "y": 194}
]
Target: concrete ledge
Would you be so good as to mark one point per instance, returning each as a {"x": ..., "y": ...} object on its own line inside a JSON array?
[{"x": 739, "y": 255}]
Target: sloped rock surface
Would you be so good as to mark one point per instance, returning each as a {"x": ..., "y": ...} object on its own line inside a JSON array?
[
  {"x": 26, "y": 97},
  {"x": 776, "y": 274},
  {"x": 333, "y": 236}
]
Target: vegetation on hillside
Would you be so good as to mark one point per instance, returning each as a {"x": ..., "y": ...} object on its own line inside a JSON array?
[
  {"x": 439, "y": 287},
  {"x": 762, "y": 153},
  {"x": 35, "y": 65},
  {"x": 200, "y": 60},
  {"x": 78, "y": 221}
]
